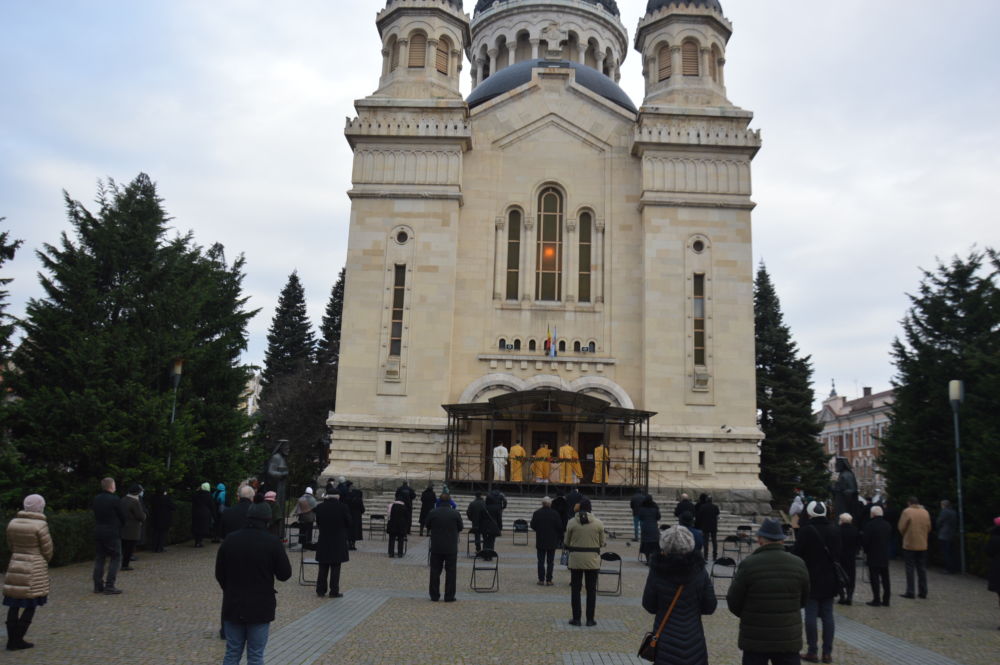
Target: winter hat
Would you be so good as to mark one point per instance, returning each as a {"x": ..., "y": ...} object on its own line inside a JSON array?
[
  {"x": 996, "y": 521},
  {"x": 271, "y": 496},
  {"x": 309, "y": 490},
  {"x": 134, "y": 488},
  {"x": 771, "y": 530},
  {"x": 259, "y": 511},
  {"x": 676, "y": 540},
  {"x": 341, "y": 479},
  {"x": 816, "y": 509},
  {"x": 206, "y": 486},
  {"x": 34, "y": 503}
]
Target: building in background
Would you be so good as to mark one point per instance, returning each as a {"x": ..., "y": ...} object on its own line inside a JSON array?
[{"x": 852, "y": 429}]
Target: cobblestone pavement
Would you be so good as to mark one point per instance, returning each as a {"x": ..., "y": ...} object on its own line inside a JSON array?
[{"x": 169, "y": 614}]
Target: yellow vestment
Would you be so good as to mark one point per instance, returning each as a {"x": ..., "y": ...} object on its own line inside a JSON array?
[
  {"x": 517, "y": 455},
  {"x": 600, "y": 459},
  {"x": 570, "y": 465},
  {"x": 542, "y": 467}
]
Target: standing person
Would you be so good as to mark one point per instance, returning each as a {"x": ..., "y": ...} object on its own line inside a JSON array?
[
  {"x": 541, "y": 468},
  {"x": 235, "y": 518},
  {"x": 444, "y": 523},
  {"x": 219, "y": 503},
  {"x": 848, "y": 555},
  {"x": 246, "y": 565},
  {"x": 706, "y": 518},
  {"x": 500, "y": 455},
  {"x": 819, "y": 546},
  {"x": 915, "y": 526},
  {"x": 548, "y": 528},
  {"x": 474, "y": 512},
  {"x": 161, "y": 518},
  {"x": 356, "y": 507},
  {"x": 334, "y": 522},
  {"x": 306, "y": 517},
  {"x": 993, "y": 552},
  {"x": 649, "y": 527},
  {"x": 584, "y": 539},
  {"x": 601, "y": 466},
  {"x": 132, "y": 529},
  {"x": 875, "y": 539},
  {"x": 427, "y": 501},
  {"x": 397, "y": 519},
  {"x": 684, "y": 505},
  {"x": 109, "y": 517},
  {"x": 489, "y": 522},
  {"x": 947, "y": 536},
  {"x": 26, "y": 584},
  {"x": 276, "y": 527},
  {"x": 573, "y": 499},
  {"x": 686, "y": 520},
  {"x": 201, "y": 515},
  {"x": 517, "y": 457},
  {"x": 678, "y": 571},
  {"x": 560, "y": 505},
  {"x": 768, "y": 593},
  {"x": 406, "y": 494},
  {"x": 635, "y": 503},
  {"x": 496, "y": 502},
  {"x": 795, "y": 513},
  {"x": 569, "y": 465}
]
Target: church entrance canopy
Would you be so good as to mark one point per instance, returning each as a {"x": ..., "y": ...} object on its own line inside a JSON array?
[{"x": 612, "y": 442}]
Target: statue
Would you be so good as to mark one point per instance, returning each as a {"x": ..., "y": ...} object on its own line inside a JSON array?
[
  {"x": 276, "y": 472},
  {"x": 845, "y": 490}
]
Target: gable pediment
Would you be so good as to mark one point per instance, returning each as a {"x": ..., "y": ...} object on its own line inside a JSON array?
[{"x": 552, "y": 127}]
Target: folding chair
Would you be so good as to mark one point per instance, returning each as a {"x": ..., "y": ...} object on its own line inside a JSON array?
[
  {"x": 303, "y": 562},
  {"x": 292, "y": 534},
  {"x": 723, "y": 568},
  {"x": 745, "y": 535},
  {"x": 376, "y": 524},
  {"x": 470, "y": 541},
  {"x": 487, "y": 564},
  {"x": 614, "y": 569},
  {"x": 731, "y": 545},
  {"x": 520, "y": 529}
]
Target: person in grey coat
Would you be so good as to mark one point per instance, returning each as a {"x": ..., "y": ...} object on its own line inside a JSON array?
[{"x": 132, "y": 530}]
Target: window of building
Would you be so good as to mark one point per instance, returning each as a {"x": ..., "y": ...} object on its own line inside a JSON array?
[
  {"x": 664, "y": 66},
  {"x": 531, "y": 345},
  {"x": 418, "y": 51},
  {"x": 701, "y": 459},
  {"x": 592, "y": 347},
  {"x": 548, "y": 276},
  {"x": 699, "y": 318},
  {"x": 562, "y": 345},
  {"x": 393, "y": 54},
  {"x": 513, "y": 253},
  {"x": 503, "y": 344},
  {"x": 713, "y": 63},
  {"x": 398, "y": 297},
  {"x": 689, "y": 58},
  {"x": 442, "y": 55},
  {"x": 576, "y": 346},
  {"x": 517, "y": 345},
  {"x": 388, "y": 448},
  {"x": 586, "y": 235}
]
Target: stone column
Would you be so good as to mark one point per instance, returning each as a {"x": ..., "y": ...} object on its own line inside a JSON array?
[
  {"x": 386, "y": 60},
  {"x": 511, "y": 53},
  {"x": 676, "y": 66},
  {"x": 600, "y": 61},
  {"x": 534, "y": 48},
  {"x": 706, "y": 64},
  {"x": 500, "y": 267},
  {"x": 404, "y": 53},
  {"x": 581, "y": 53},
  {"x": 529, "y": 243},
  {"x": 597, "y": 257},
  {"x": 492, "y": 55},
  {"x": 722, "y": 70},
  {"x": 479, "y": 70},
  {"x": 571, "y": 261}
]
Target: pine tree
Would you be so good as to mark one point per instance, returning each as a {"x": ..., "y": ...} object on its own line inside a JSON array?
[
  {"x": 10, "y": 459},
  {"x": 7, "y": 250},
  {"x": 791, "y": 454},
  {"x": 951, "y": 331},
  {"x": 328, "y": 348},
  {"x": 291, "y": 344},
  {"x": 122, "y": 303}
]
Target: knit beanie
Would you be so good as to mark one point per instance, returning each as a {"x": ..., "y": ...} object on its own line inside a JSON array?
[
  {"x": 816, "y": 509},
  {"x": 259, "y": 511},
  {"x": 206, "y": 487},
  {"x": 676, "y": 540},
  {"x": 34, "y": 503},
  {"x": 996, "y": 521},
  {"x": 309, "y": 490},
  {"x": 270, "y": 496}
]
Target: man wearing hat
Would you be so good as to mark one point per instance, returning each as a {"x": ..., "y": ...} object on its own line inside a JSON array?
[
  {"x": 819, "y": 546},
  {"x": 768, "y": 592},
  {"x": 247, "y": 563}
]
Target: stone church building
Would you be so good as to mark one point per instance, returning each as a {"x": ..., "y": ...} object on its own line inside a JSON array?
[{"x": 547, "y": 261}]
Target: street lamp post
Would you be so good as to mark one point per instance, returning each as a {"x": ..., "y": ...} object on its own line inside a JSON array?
[
  {"x": 175, "y": 376},
  {"x": 956, "y": 394}
]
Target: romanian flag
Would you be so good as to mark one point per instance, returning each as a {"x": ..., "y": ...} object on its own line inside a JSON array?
[
  {"x": 552, "y": 342},
  {"x": 548, "y": 340}
]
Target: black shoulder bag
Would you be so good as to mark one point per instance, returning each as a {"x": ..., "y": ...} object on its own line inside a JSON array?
[{"x": 647, "y": 650}]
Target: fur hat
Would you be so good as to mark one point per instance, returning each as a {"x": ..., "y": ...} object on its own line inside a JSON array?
[
  {"x": 271, "y": 496},
  {"x": 771, "y": 530},
  {"x": 816, "y": 509},
  {"x": 34, "y": 503},
  {"x": 676, "y": 540},
  {"x": 259, "y": 511}
]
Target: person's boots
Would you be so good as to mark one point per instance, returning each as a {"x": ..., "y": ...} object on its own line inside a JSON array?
[
  {"x": 12, "y": 631},
  {"x": 21, "y": 644}
]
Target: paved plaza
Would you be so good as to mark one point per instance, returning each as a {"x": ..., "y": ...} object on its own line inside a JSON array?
[{"x": 169, "y": 614}]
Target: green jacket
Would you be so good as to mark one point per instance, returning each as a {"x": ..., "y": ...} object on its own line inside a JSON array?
[
  {"x": 589, "y": 536},
  {"x": 770, "y": 588}
]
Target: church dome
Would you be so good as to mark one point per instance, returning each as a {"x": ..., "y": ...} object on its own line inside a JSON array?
[
  {"x": 653, "y": 5},
  {"x": 517, "y": 75},
  {"x": 609, "y": 5},
  {"x": 454, "y": 3}
]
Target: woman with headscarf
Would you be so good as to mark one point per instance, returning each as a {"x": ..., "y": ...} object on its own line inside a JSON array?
[
  {"x": 993, "y": 552},
  {"x": 677, "y": 570},
  {"x": 584, "y": 539},
  {"x": 26, "y": 584}
]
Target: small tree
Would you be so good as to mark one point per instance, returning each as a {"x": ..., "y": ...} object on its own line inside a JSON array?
[
  {"x": 291, "y": 345},
  {"x": 791, "y": 454}
]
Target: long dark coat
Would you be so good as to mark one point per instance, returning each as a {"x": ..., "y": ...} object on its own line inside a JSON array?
[
  {"x": 399, "y": 519},
  {"x": 246, "y": 565},
  {"x": 334, "y": 522},
  {"x": 444, "y": 523},
  {"x": 682, "y": 641},
  {"x": 875, "y": 540},
  {"x": 993, "y": 552},
  {"x": 809, "y": 546},
  {"x": 548, "y": 528},
  {"x": 706, "y": 516},
  {"x": 848, "y": 545},
  {"x": 201, "y": 514},
  {"x": 427, "y": 499},
  {"x": 235, "y": 518},
  {"x": 649, "y": 529},
  {"x": 356, "y": 507},
  {"x": 161, "y": 508}
]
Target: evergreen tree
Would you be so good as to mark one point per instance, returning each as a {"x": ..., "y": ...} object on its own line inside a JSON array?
[
  {"x": 122, "y": 303},
  {"x": 328, "y": 348},
  {"x": 7, "y": 250},
  {"x": 791, "y": 454},
  {"x": 10, "y": 460},
  {"x": 951, "y": 331},
  {"x": 291, "y": 345}
]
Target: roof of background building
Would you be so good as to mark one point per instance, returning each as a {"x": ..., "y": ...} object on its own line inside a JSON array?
[
  {"x": 610, "y": 5},
  {"x": 456, "y": 3},
  {"x": 517, "y": 75},
  {"x": 653, "y": 5}
]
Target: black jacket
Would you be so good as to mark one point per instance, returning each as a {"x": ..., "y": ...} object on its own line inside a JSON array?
[
  {"x": 235, "y": 518},
  {"x": 770, "y": 589},
  {"x": 559, "y": 505},
  {"x": 399, "y": 519},
  {"x": 875, "y": 539},
  {"x": 109, "y": 515},
  {"x": 356, "y": 507},
  {"x": 572, "y": 498},
  {"x": 636, "y": 502},
  {"x": 161, "y": 513},
  {"x": 649, "y": 530},
  {"x": 475, "y": 512},
  {"x": 706, "y": 517},
  {"x": 993, "y": 552},
  {"x": 682, "y": 507},
  {"x": 427, "y": 500},
  {"x": 246, "y": 565},
  {"x": 445, "y": 523},
  {"x": 548, "y": 528},
  {"x": 334, "y": 522},
  {"x": 202, "y": 509},
  {"x": 682, "y": 639},
  {"x": 849, "y": 543},
  {"x": 809, "y": 546}
]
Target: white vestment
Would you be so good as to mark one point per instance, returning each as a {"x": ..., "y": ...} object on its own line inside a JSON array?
[{"x": 500, "y": 463}]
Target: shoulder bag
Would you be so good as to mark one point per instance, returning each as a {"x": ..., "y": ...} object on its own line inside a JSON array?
[{"x": 647, "y": 650}]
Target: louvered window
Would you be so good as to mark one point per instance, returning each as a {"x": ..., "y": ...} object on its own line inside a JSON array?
[
  {"x": 663, "y": 59},
  {"x": 443, "y": 52},
  {"x": 418, "y": 51},
  {"x": 689, "y": 58}
]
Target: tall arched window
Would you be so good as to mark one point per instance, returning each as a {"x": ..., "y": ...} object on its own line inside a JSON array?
[
  {"x": 393, "y": 54},
  {"x": 513, "y": 253},
  {"x": 548, "y": 276},
  {"x": 664, "y": 65},
  {"x": 418, "y": 51},
  {"x": 586, "y": 232},
  {"x": 442, "y": 55},
  {"x": 689, "y": 58}
]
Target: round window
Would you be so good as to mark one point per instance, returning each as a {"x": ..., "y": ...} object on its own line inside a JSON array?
[
  {"x": 402, "y": 237},
  {"x": 698, "y": 246}
]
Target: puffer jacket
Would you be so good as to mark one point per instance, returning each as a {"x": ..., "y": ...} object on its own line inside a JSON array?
[
  {"x": 682, "y": 641},
  {"x": 584, "y": 542},
  {"x": 31, "y": 547}
]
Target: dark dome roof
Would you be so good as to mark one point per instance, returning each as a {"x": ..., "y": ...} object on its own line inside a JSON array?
[
  {"x": 653, "y": 5},
  {"x": 517, "y": 75},
  {"x": 610, "y": 5}
]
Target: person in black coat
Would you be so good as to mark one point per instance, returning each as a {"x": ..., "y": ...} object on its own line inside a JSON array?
[
  {"x": 875, "y": 539},
  {"x": 202, "y": 509},
  {"x": 235, "y": 518},
  {"x": 993, "y": 552},
  {"x": 497, "y": 498},
  {"x": 818, "y": 545},
  {"x": 334, "y": 522},
  {"x": 161, "y": 518},
  {"x": 475, "y": 512},
  {"x": 684, "y": 505},
  {"x": 677, "y": 563},
  {"x": 489, "y": 522},
  {"x": 560, "y": 506},
  {"x": 406, "y": 494},
  {"x": 649, "y": 530},
  {"x": 396, "y": 525},
  {"x": 427, "y": 501},
  {"x": 246, "y": 565},
  {"x": 109, "y": 518},
  {"x": 706, "y": 518},
  {"x": 356, "y": 507},
  {"x": 444, "y": 523},
  {"x": 849, "y": 543},
  {"x": 573, "y": 499},
  {"x": 549, "y": 529}
]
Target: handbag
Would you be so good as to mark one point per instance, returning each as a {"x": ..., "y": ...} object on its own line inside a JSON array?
[
  {"x": 564, "y": 557},
  {"x": 647, "y": 650}
]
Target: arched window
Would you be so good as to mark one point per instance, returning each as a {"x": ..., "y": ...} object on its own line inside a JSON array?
[
  {"x": 664, "y": 66},
  {"x": 562, "y": 345},
  {"x": 586, "y": 226},
  {"x": 689, "y": 58},
  {"x": 513, "y": 253},
  {"x": 576, "y": 346},
  {"x": 531, "y": 345},
  {"x": 503, "y": 344},
  {"x": 592, "y": 346},
  {"x": 548, "y": 276},
  {"x": 443, "y": 54},
  {"x": 517, "y": 345},
  {"x": 393, "y": 54},
  {"x": 418, "y": 51},
  {"x": 713, "y": 63}
]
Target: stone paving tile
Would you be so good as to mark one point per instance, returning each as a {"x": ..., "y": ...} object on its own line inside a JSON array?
[
  {"x": 604, "y": 625},
  {"x": 600, "y": 658}
]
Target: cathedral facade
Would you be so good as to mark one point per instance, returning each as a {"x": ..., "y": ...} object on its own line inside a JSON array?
[{"x": 544, "y": 262}]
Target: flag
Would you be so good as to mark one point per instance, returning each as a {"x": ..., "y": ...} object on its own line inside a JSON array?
[
  {"x": 548, "y": 340},
  {"x": 552, "y": 343}
]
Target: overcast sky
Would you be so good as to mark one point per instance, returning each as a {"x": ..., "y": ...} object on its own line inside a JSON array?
[{"x": 879, "y": 121}]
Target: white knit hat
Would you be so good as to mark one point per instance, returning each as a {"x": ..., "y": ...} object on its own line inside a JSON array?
[
  {"x": 676, "y": 540},
  {"x": 816, "y": 509}
]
